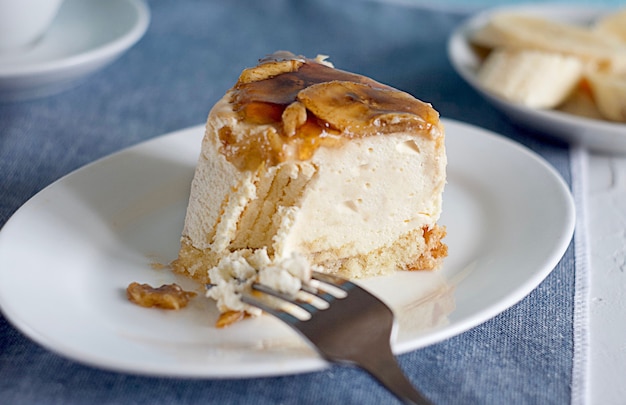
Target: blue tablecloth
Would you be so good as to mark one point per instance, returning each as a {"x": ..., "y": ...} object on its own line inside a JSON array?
[{"x": 192, "y": 53}]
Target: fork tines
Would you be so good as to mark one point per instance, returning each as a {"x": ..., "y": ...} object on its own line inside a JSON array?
[{"x": 314, "y": 296}]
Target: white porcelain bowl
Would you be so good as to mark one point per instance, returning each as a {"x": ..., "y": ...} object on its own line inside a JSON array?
[
  {"x": 597, "y": 135},
  {"x": 23, "y": 22},
  {"x": 85, "y": 36}
]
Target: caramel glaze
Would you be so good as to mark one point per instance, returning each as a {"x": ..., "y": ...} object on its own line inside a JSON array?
[{"x": 339, "y": 105}]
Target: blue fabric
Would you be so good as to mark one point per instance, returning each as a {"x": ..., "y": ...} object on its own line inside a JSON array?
[{"x": 192, "y": 52}]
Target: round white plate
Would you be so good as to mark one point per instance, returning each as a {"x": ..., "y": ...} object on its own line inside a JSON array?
[
  {"x": 597, "y": 135},
  {"x": 68, "y": 254},
  {"x": 85, "y": 36}
]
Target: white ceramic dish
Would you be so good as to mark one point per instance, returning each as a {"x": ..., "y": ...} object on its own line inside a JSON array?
[
  {"x": 597, "y": 135},
  {"x": 68, "y": 254},
  {"x": 85, "y": 36}
]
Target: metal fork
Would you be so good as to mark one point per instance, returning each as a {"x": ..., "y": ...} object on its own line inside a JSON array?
[{"x": 346, "y": 324}]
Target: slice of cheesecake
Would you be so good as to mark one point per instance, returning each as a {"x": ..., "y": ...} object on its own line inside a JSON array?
[{"x": 303, "y": 159}]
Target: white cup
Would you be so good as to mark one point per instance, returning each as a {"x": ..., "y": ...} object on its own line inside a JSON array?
[{"x": 23, "y": 22}]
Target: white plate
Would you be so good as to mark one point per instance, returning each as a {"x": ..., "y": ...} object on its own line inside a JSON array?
[
  {"x": 598, "y": 135},
  {"x": 85, "y": 36},
  {"x": 68, "y": 254}
]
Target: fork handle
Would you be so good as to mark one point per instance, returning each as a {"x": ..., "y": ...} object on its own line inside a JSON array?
[{"x": 386, "y": 370}]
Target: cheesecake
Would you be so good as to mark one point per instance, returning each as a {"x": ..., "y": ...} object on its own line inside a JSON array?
[{"x": 306, "y": 166}]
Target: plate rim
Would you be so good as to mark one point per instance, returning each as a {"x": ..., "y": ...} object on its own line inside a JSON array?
[{"x": 310, "y": 364}]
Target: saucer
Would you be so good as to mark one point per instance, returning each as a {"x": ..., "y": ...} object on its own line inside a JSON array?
[{"x": 85, "y": 36}]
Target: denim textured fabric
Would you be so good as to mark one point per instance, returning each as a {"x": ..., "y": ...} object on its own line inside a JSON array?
[{"x": 192, "y": 53}]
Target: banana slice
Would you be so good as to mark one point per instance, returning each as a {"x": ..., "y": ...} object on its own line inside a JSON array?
[
  {"x": 269, "y": 69},
  {"x": 613, "y": 25},
  {"x": 609, "y": 88},
  {"x": 581, "y": 103},
  {"x": 533, "y": 78},
  {"x": 609, "y": 92},
  {"x": 360, "y": 109},
  {"x": 525, "y": 31}
]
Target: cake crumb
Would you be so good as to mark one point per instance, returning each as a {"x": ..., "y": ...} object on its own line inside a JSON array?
[
  {"x": 167, "y": 296},
  {"x": 158, "y": 266}
]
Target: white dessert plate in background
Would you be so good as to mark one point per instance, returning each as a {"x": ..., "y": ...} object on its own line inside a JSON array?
[
  {"x": 597, "y": 135},
  {"x": 85, "y": 36},
  {"x": 67, "y": 255}
]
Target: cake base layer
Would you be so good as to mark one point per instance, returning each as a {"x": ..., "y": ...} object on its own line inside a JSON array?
[{"x": 420, "y": 249}]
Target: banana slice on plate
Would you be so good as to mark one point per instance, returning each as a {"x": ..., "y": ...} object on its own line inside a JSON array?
[
  {"x": 581, "y": 103},
  {"x": 532, "y": 32},
  {"x": 612, "y": 25},
  {"x": 534, "y": 78},
  {"x": 609, "y": 93}
]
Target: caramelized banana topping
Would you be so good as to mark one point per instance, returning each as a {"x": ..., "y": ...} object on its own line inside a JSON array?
[{"x": 305, "y": 104}]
